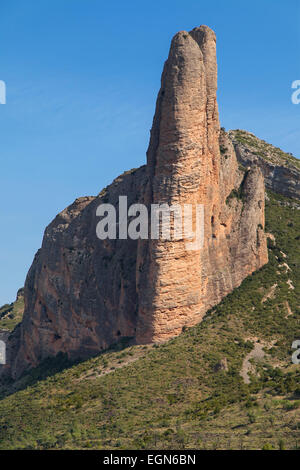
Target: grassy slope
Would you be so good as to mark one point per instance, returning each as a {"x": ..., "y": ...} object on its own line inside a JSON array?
[
  {"x": 11, "y": 314},
  {"x": 171, "y": 396}
]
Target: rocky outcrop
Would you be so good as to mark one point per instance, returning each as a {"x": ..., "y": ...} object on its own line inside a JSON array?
[
  {"x": 178, "y": 286},
  {"x": 80, "y": 294},
  {"x": 281, "y": 170},
  {"x": 83, "y": 294}
]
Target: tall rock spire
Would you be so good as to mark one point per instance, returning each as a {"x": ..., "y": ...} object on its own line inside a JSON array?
[
  {"x": 186, "y": 105},
  {"x": 176, "y": 285}
]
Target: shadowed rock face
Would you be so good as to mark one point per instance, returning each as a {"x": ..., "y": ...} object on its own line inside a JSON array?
[
  {"x": 281, "y": 171},
  {"x": 80, "y": 294},
  {"x": 83, "y": 294}
]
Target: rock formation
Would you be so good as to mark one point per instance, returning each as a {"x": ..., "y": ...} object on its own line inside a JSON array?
[
  {"x": 184, "y": 166},
  {"x": 83, "y": 294},
  {"x": 281, "y": 170}
]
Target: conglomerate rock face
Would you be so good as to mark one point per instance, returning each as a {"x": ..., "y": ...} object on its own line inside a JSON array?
[
  {"x": 178, "y": 286},
  {"x": 83, "y": 294}
]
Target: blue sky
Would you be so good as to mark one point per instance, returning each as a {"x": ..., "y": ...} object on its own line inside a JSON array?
[{"x": 82, "y": 78}]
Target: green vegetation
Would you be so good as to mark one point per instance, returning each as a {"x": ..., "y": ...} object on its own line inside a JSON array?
[
  {"x": 11, "y": 314},
  {"x": 239, "y": 192},
  {"x": 263, "y": 149},
  {"x": 235, "y": 194},
  {"x": 174, "y": 395}
]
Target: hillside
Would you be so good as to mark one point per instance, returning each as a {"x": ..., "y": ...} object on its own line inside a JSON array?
[
  {"x": 12, "y": 314},
  {"x": 188, "y": 392}
]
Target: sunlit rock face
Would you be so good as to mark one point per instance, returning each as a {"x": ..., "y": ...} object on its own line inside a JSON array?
[
  {"x": 83, "y": 294},
  {"x": 177, "y": 286}
]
